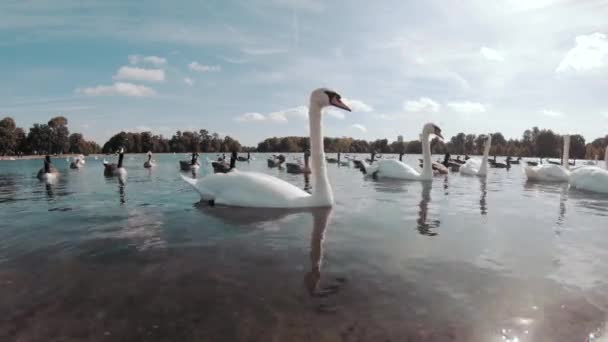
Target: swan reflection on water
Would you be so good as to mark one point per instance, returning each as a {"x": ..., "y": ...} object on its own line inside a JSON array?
[
  {"x": 426, "y": 226},
  {"x": 122, "y": 193},
  {"x": 50, "y": 194},
  {"x": 257, "y": 216},
  {"x": 483, "y": 204}
]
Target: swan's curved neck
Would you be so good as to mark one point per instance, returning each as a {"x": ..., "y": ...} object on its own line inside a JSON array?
[
  {"x": 120, "y": 158},
  {"x": 427, "y": 166},
  {"x": 566, "y": 154},
  {"x": 321, "y": 190},
  {"x": 483, "y": 170}
]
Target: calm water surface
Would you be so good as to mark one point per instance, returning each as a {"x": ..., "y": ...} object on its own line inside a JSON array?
[{"x": 461, "y": 259}]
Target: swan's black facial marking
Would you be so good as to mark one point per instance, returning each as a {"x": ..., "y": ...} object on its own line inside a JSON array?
[
  {"x": 437, "y": 131},
  {"x": 332, "y": 95},
  {"x": 336, "y": 100}
]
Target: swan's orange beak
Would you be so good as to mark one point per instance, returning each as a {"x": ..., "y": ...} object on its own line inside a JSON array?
[{"x": 336, "y": 102}]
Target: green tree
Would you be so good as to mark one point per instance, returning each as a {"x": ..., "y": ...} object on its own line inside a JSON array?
[
  {"x": 8, "y": 136},
  {"x": 59, "y": 135}
]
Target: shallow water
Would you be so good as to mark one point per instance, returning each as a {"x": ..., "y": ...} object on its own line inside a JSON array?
[{"x": 460, "y": 259}]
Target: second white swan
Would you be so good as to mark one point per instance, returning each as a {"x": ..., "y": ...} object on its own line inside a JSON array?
[{"x": 392, "y": 168}]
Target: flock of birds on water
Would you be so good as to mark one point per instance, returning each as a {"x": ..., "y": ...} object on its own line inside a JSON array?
[{"x": 229, "y": 186}]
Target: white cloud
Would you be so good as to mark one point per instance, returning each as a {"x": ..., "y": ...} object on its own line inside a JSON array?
[
  {"x": 196, "y": 66},
  {"x": 423, "y": 104},
  {"x": 336, "y": 113},
  {"x": 140, "y": 74},
  {"x": 551, "y": 113},
  {"x": 358, "y": 105},
  {"x": 250, "y": 117},
  {"x": 140, "y": 129},
  {"x": 118, "y": 88},
  {"x": 590, "y": 52},
  {"x": 300, "y": 112},
  {"x": 154, "y": 60},
  {"x": 263, "y": 51},
  {"x": 277, "y": 117},
  {"x": 281, "y": 116},
  {"x": 467, "y": 107},
  {"x": 188, "y": 81},
  {"x": 386, "y": 116},
  {"x": 491, "y": 54},
  {"x": 359, "y": 127}
]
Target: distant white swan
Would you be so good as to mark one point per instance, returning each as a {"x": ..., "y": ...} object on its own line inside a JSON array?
[
  {"x": 392, "y": 168},
  {"x": 476, "y": 167},
  {"x": 149, "y": 163},
  {"x": 78, "y": 162},
  {"x": 551, "y": 172},
  {"x": 48, "y": 172},
  {"x": 251, "y": 189},
  {"x": 591, "y": 178}
]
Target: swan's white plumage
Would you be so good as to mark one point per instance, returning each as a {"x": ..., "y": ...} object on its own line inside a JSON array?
[
  {"x": 551, "y": 172},
  {"x": 471, "y": 167},
  {"x": 476, "y": 167},
  {"x": 391, "y": 168},
  {"x": 257, "y": 190},
  {"x": 547, "y": 172},
  {"x": 590, "y": 178},
  {"x": 250, "y": 189}
]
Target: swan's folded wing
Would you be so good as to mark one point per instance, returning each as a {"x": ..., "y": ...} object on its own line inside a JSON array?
[
  {"x": 590, "y": 178},
  {"x": 206, "y": 195},
  {"x": 391, "y": 168},
  {"x": 471, "y": 167},
  {"x": 249, "y": 189}
]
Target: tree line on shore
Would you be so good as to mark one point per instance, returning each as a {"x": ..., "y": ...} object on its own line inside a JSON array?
[
  {"x": 535, "y": 142},
  {"x": 54, "y": 138}
]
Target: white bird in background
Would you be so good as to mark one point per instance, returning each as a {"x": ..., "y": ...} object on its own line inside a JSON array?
[
  {"x": 475, "y": 167},
  {"x": 78, "y": 162},
  {"x": 252, "y": 189},
  {"x": 591, "y": 178},
  {"x": 551, "y": 172},
  {"x": 392, "y": 168}
]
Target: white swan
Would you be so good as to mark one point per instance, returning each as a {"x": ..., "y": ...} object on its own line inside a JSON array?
[
  {"x": 551, "y": 172},
  {"x": 392, "y": 168},
  {"x": 149, "y": 163},
  {"x": 78, "y": 162},
  {"x": 251, "y": 189},
  {"x": 591, "y": 178},
  {"x": 476, "y": 167}
]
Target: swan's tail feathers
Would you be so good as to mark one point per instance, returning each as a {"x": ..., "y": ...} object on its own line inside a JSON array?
[
  {"x": 190, "y": 181},
  {"x": 193, "y": 183}
]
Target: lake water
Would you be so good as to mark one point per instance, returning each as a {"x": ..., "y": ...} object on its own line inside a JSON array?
[{"x": 463, "y": 259}]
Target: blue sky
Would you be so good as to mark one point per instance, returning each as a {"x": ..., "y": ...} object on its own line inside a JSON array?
[{"x": 245, "y": 68}]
